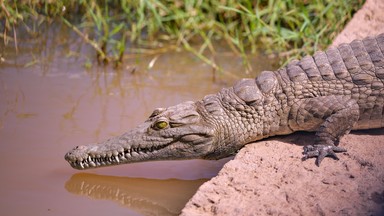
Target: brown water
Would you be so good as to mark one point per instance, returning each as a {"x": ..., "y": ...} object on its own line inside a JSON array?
[{"x": 49, "y": 103}]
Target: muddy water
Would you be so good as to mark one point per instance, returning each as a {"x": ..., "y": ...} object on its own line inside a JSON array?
[{"x": 50, "y": 102}]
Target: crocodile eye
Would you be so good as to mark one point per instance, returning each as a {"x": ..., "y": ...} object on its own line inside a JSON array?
[{"x": 161, "y": 124}]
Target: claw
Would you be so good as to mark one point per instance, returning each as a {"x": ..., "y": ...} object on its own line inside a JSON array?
[{"x": 321, "y": 151}]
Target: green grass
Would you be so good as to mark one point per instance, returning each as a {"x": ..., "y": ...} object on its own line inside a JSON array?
[{"x": 290, "y": 28}]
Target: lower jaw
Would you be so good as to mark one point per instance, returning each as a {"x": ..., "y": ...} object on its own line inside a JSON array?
[
  {"x": 90, "y": 165},
  {"x": 109, "y": 162}
]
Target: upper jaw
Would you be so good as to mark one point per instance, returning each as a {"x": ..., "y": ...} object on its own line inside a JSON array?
[{"x": 98, "y": 155}]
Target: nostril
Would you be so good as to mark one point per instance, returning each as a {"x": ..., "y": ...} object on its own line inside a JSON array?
[{"x": 81, "y": 147}]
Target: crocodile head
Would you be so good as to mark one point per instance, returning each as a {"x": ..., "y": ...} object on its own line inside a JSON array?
[{"x": 178, "y": 132}]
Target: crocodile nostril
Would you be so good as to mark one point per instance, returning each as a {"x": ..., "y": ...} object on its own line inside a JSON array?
[{"x": 81, "y": 147}]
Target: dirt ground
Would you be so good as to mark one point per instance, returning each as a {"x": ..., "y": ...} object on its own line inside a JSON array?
[{"x": 269, "y": 178}]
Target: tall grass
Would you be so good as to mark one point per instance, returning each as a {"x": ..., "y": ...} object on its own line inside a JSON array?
[{"x": 288, "y": 27}]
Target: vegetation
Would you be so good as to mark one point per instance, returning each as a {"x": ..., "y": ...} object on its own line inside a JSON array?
[{"x": 288, "y": 27}]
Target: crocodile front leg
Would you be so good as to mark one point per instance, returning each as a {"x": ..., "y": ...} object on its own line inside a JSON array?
[{"x": 331, "y": 117}]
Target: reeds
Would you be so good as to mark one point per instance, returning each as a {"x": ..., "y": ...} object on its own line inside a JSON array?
[{"x": 288, "y": 27}]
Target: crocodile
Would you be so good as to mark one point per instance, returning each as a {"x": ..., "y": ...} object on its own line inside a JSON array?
[{"x": 330, "y": 93}]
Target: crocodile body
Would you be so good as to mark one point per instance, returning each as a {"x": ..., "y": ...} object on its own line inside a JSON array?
[{"x": 331, "y": 93}]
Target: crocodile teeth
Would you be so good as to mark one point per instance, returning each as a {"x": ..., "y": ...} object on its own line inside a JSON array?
[
  {"x": 81, "y": 164},
  {"x": 117, "y": 159},
  {"x": 115, "y": 153}
]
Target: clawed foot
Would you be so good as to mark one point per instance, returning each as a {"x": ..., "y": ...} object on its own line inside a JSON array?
[{"x": 321, "y": 151}]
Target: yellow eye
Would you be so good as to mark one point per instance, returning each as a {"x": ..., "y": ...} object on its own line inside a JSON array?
[{"x": 161, "y": 124}]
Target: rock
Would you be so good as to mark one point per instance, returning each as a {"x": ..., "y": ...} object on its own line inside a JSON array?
[{"x": 369, "y": 20}]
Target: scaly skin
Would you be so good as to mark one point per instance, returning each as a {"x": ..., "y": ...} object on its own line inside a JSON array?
[{"x": 330, "y": 93}]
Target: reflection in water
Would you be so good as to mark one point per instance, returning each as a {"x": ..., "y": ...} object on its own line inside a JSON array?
[{"x": 147, "y": 196}]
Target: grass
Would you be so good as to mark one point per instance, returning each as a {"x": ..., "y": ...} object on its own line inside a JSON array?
[{"x": 290, "y": 28}]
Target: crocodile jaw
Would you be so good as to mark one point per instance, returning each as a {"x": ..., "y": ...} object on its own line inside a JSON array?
[{"x": 100, "y": 155}]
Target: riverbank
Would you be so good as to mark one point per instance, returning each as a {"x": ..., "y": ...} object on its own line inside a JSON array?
[
  {"x": 116, "y": 30},
  {"x": 268, "y": 177}
]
